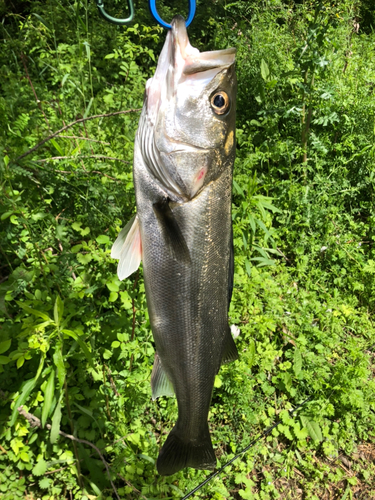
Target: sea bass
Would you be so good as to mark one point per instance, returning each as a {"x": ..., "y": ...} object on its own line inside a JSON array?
[{"x": 183, "y": 161}]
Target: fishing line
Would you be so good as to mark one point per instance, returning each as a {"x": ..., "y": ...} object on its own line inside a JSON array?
[{"x": 264, "y": 434}]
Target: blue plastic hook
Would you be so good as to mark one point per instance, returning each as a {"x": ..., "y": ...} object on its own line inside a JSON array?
[{"x": 158, "y": 19}]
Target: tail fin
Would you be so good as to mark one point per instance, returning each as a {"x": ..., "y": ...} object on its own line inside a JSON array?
[{"x": 177, "y": 453}]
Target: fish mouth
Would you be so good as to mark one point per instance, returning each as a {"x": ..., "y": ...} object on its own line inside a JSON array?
[{"x": 193, "y": 60}]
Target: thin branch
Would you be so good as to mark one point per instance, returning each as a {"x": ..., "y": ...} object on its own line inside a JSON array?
[
  {"x": 79, "y": 137},
  {"x": 81, "y": 120},
  {"x": 99, "y": 157},
  {"x": 35, "y": 422}
]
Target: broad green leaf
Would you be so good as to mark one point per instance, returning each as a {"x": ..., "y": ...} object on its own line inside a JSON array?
[
  {"x": 4, "y": 360},
  {"x": 218, "y": 382},
  {"x": 45, "y": 483},
  {"x": 33, "y": 311},
  {"x": 297, "y": 362},
  {"x": 112, "y": 286},
  {"x": 264, "y": 70},
  {"x": 5, "y": 215},
  {"x": 55, "y": 427},
  {"x": 113, "y": 296},
  {"x": 58, "y": 310},
  {"x": 48, "y": 396},
  {"x": 4, "y": 346},
  {"x": 102, "y": 239},
  {"x": 313, "y": 428},
  {"x": 59, "y": 363},
  {"x": 40, "y": 468},
  {"x": 27, "y": 388},
  {"x": 20, "y": 361}
]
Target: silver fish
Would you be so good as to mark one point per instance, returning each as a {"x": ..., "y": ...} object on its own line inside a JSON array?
[{"x": 183, "y": 161}]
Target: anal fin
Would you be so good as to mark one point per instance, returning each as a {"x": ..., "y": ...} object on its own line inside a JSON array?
[
  {"x": 172, "y": 235},
  {"x": 230, "y": 352},
  {"x": 160, "y": 383}
]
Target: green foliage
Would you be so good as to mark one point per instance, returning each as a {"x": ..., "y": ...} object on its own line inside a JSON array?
[{"x": 76, "y": 347}]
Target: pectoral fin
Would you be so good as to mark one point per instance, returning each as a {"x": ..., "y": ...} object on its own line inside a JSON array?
[
  {"x": 172, "y": 235},
  {"x": 230, "y": 352},
  {"x": 128, "y": 249},
  {"x": 160, "y": 383}
]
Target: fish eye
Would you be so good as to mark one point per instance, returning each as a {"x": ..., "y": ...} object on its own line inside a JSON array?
[{"x": 220, "y": 102}]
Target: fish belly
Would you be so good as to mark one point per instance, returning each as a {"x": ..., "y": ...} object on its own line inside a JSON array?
[{"x": 188, "y": 308}]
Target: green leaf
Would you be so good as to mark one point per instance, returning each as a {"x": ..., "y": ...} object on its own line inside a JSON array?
[
  {"x": 218, "y": 382},
  {"x": 45, "y": 483},
  {"x": 113, "y": 296},
  {"x": 264, "y": 70},
  {"x": 58, "y": 310},
  {"x": 27, "y": 388},
  {"x": 251, "y": 353},
  {"x": 59, "y": 363},
  {"x": 248, "y": 267},
  {"x": 112, "y": 286},
  {"x": 4, "y": 360},
  {"x": 102, "y": 239},
  {"x": 297, "y": 367},
  {"x": 57, "y": 147},
  {"x": 40, "y": 18},
  {"x": 83, "y": 346},
  {"x": 4, "y": 346},
  {"x": 40, "y": 468},
  {"x": 313, "y": 428},
  {"x": 237, "y": 188},
  {"x": 6, "y": 215},
  {"x": 33, "y": 311},
  {"x": 55, "y": 427},
  {"x": 48, "y": 396}
]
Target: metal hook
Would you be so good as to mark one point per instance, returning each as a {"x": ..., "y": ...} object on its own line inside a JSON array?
[
  {"x": 114, "y": 20},
  {"x": 158, "y": 19}
]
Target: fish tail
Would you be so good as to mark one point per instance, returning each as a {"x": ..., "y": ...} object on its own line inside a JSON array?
[{"x": 178, "y": 453}]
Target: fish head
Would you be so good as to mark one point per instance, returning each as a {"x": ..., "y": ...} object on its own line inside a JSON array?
[{"x": 189, "y": 115}]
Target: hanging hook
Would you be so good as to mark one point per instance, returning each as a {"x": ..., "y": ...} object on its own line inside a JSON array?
[
  {"x": 114, "y": 20},
  {"x": 158, "y": 19}
]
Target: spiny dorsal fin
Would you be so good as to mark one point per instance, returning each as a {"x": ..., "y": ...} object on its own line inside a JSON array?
[
  {"x": 172, "y": 235},
  {"x": 160, "y": 383},
  {"x": 128, "y": 249}
]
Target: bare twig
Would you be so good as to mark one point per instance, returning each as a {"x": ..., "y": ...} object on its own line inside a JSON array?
[
  {"x": 113, "y": 385},
  {"x": 99, "y": 157},
  {"x": 35, "y": 422},
  {"x": 81, "y": 120},
  {"x": 80, "y": 138}
]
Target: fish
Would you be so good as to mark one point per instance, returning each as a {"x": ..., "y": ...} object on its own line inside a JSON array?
[{"x": 184, "y": 153}]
